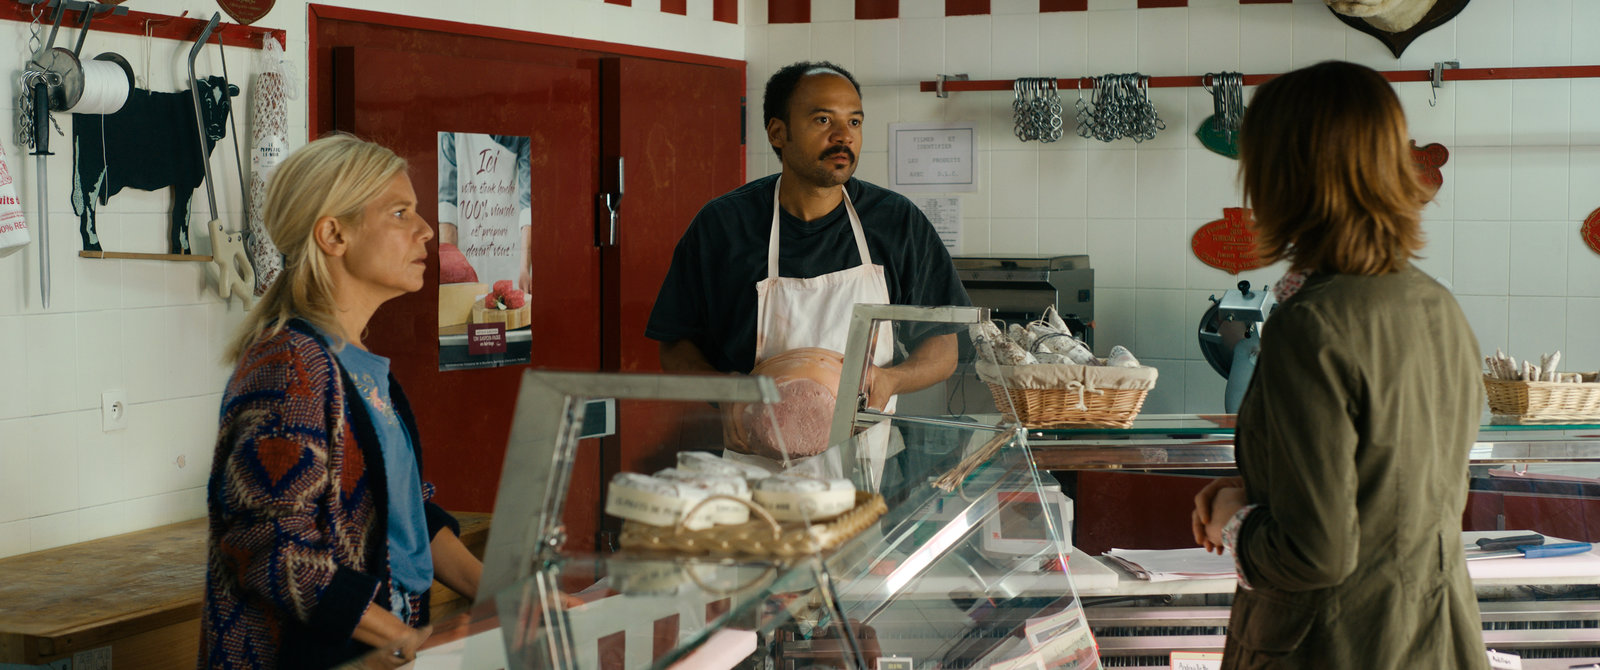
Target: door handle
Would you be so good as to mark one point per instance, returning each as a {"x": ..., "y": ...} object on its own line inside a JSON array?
[{"x": 611, "y": 202}]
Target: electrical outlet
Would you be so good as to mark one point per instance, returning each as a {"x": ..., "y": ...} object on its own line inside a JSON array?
[{"x": 113, "y": 410}]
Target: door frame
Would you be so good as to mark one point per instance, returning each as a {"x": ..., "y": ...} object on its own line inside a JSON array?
[{"x": 314, "y": 65}]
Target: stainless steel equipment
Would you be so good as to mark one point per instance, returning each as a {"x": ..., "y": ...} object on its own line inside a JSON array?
[
  {"x": 1230, "y": 337},
  {"x": 1016, "y": 289}
]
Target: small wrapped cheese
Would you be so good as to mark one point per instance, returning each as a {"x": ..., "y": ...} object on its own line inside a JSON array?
[
  {"x": 657, "y": 502},
  {"x": 725, "y": 512},
  {"x": 712, "y": 464},
  {"x": 791, "y": 498}
]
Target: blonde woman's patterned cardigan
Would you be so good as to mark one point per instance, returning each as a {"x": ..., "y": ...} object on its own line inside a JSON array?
[{"x": 298, "y": 508}]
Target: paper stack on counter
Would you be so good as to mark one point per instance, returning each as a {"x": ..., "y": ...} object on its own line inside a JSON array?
[{"x": 1160, "y": 565}]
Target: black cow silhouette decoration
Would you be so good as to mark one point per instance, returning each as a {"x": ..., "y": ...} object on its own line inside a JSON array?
[{"x": 151, "y": 143}]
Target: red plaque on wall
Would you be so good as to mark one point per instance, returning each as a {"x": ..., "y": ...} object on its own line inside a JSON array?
[
  {"x": 1429, "y": 159},
  {"x": 246, "y": 12},
  {"x": 1227, "y": 243},
  {"x": 1591, "y": 231}
]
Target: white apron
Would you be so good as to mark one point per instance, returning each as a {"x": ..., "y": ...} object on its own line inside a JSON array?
[{"x": 794, "y": 312}]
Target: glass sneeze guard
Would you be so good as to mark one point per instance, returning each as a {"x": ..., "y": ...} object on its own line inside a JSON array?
[{"x": 968, "y": 567}]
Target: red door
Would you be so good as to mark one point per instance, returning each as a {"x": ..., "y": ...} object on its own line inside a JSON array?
[
  {"x": 677, "y": 127},
  {"x": 675, "y": 117},
  {"x": 403, "y": 100}
]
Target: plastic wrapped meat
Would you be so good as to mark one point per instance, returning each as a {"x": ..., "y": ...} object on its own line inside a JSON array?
[
  {"x": 1121, "y": 358},
  {"x": 808, "y": 380},
  {"x": 992, "y": 344}
]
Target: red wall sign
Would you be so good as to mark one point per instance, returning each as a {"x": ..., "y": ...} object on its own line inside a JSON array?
[
  {"x": 1429, "y": 159},
  {"x": 1227, "y": 243},
  {"x": 1591, "y": 231}
]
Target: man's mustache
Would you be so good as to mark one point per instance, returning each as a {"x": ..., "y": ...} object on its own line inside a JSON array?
[{"x": 839, "y": 150}]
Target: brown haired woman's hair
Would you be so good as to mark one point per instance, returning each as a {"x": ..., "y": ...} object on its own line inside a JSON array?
[{"x": 1326, "y": 164}]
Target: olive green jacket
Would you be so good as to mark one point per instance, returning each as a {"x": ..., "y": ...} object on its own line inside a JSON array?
[{"x": 1353, "y": 439}]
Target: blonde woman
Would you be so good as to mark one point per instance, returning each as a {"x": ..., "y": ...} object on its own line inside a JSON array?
[
  {"x": 1353, "y": 438},
  {"x": 322, "y": 543}
]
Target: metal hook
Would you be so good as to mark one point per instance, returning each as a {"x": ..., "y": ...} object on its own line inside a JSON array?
[
  {"x": 939, "y": 85},
  {"x": 1436, "y": 78}
]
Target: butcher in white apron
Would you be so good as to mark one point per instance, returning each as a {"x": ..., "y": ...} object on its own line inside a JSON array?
[
  {"x": 799, "y": 312},
  {"x": 708, "y": 320}
]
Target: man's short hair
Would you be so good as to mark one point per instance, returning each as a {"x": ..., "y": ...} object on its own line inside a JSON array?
[{"x": 780, "y": 88}]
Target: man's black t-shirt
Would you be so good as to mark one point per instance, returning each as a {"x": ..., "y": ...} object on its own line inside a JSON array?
[{"x": 709, "y": 296}]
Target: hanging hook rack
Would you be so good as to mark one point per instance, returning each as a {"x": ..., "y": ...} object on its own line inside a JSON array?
[
  {"x": 1395, "y": 76},
  {"x": 89, "y": 11}
]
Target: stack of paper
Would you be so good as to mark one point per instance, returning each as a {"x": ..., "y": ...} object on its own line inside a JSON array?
[{"x": 1159, "y": 565}]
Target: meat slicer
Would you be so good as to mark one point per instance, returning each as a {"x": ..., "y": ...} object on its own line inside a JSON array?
[{"x": 1230, "y": 337}]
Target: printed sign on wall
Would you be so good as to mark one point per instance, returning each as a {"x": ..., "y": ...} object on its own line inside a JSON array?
[
  {"x": 485, "y": 228},
  {"x": 932, "y": 157}
]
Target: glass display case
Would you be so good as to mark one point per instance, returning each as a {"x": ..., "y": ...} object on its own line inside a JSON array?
[
  {"x": 990, "y": 548},
  {"x": 958, "y": 557}
]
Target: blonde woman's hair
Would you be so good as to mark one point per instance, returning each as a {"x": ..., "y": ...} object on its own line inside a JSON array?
[
  {"x": 335, "y": 176},
  {"x": 1326, "y": 164}
]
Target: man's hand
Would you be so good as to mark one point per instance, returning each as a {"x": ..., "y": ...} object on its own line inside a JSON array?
[
  {"x": 881, "y": 385},
  {"x": 930, "y": 363}
]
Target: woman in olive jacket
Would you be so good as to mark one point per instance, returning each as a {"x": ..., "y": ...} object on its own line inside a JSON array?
[{"x": 1353, "y": 438}]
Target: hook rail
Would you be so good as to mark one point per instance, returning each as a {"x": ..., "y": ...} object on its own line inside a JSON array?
[
  {"x": 129, "y": 22},
  {"x": 1396, "y": 76}
]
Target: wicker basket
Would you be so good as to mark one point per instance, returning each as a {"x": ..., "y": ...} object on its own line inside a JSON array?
[
  {"x": 1544, "y": 402},
  {"x": 1058, "y": 408},
  {"x": 1086, "y": 403},
  {"x": 760, "y": 536}
]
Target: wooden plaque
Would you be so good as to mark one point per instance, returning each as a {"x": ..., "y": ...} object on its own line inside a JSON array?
[
  {"x": 1441, "y": 13},
  {"x": 1429, "y": 159},
  {"x": 246, "y": 12},
  {"x": 1591, "y": 231},
  {"x": 1227, "y": 243}
]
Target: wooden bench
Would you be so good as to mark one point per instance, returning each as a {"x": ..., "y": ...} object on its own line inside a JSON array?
[{"x": 137, "y": 594}]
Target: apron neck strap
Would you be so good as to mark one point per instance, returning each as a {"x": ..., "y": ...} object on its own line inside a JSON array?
[{"x": 850, "y": 210}]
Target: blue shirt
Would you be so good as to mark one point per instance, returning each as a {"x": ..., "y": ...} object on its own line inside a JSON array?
[{"x": 410, "y": 563}]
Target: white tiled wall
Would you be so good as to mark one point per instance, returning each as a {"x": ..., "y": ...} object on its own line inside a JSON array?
[
  {"x": 155, "y": 329},
  {"x": 1524, "y": 165}
]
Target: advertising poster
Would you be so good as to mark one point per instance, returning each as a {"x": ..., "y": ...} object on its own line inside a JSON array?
[{"x": 484, "y": 233}]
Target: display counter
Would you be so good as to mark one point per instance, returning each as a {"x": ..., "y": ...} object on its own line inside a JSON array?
[
  {"x": 985, "y": 545},
  {"x": 956, "y": 554},
  {"x": 1537, "y": 478}
]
